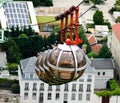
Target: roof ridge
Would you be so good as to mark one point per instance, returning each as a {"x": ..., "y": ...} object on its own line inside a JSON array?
[
  {"x": 28, "y": 63},
  {"x": 90, "y": 36}
]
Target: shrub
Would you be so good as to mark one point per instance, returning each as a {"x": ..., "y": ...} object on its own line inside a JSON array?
[
  {"x": 13, "y": 67},
  {"x": 92, "y": 54},
  {"x": 15, "y": 88},
  {"x": 113, "y": 84},
  {"x": 104, "y": 93}
]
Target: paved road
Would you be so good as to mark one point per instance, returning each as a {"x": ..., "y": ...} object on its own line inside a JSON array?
[
  {"x": 89, "y": 15},
  {"x": 3, "y": 60}
]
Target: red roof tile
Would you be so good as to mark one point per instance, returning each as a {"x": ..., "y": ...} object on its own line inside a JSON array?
[
  {"x": 96, "y": 48},
  {"x": 116, "y": 30},
  {"x": 91, "y": 39}
]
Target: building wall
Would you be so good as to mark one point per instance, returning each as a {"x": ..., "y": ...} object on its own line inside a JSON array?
[
  {"x": 33, "y": 16},
  {"x": 102, "y": 76},
  {"x": 115, "y": 49},
  {"x": 82, "y": 80},
  {"x": 2, "y": 15}
]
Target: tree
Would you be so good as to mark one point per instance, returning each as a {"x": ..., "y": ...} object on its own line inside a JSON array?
[
  {"x": 83, "y": 37},
  {"x": 118, "y": 19},
  {"x": 98, "y": 18},
  {"x": 15, "y": 88},
  {"x": 104, "y": 52},
  {"x": 117, "y": 5},
  {"x": 39, "y": 2},
  {"x": 13, "y": 67},
  {"x": 96, "y": 1},
  {"x": 13, "y": 52},
  {"x": 22, "y": 36},
  {"x": 92, "y": 54}
]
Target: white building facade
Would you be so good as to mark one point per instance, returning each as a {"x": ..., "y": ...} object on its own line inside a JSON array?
[
  {"x": 104, "y": 71},
  {"x": 33, "y": 90}
]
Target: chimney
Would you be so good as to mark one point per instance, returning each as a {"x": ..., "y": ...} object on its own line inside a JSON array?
[
  {"x": 84, "y": 46},
  {"x": 92, "y": 61}
]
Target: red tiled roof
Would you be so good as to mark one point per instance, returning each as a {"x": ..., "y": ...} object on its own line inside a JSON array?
[
  {"x": 96, "y": 48},
  {"x": 91, "y": 39},
  {"x": 116, "y": 30}
]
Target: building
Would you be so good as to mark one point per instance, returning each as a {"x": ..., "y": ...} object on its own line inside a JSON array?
[
  {"x": 91, "y": 39},
  {"x": 4, "y": 74},
  {"x": 116, "y": 14},
  {"x": 101, "y": 30},
  {"x": 104, "y": 71},
  {"x": 93, "y": 43},
  {"x": 33, "y": 90},
  {"x": 2, "y": 37},
  {"x": 96, "y": 48},
  {"x": 115, "y": 47},
  {"x": 18, "y": 13}
]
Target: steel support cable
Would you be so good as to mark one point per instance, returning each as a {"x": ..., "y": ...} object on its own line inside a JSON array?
[
  {"x": 48, "y": 21},
  {"x": 64, "y": 28},
  {"x": 78, "y": 18}
]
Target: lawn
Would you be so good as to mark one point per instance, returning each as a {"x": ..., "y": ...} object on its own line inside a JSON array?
[{"x": 43, "y": 19}]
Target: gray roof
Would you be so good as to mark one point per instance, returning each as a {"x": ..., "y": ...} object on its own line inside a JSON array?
[
  {"x": 28, "y": 65},
  {"x": 89, "y": 68},
  {"x": 104, "y": 63}
]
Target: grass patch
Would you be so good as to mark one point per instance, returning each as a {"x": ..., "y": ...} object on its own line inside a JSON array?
[{"x": 42, "y": 19}]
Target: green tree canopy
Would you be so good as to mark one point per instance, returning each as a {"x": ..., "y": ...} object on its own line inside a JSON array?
[
  {"x": 104, "y": 52},
  {"x": 83, "y": 37},
  {"x": 39, "y": 2},
  {"x": 98, "y": 18},
  {"x": 92, "y": 54},
  {"x": 96, "y": 1},
  {"x": 15, "y": 88},
  {"x": 22, "y": 36},
  {"x": 13, "y": 52}
]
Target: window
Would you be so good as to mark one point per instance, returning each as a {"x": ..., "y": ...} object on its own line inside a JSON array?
[
  {"x": 103, "y": 73},
  {"x": 41, "y": 95},
  {"x": 47, "y": 28},
  {"x": 49, "y": 88},
  {"x": 74, "y": 87},
  {"x": 25, "y": 95},
  {"x": 27, "y": 76},
  {"x": 66, "y": 87},
  {"x": 88, "y": 97},
  {"x": 42, "y": 86},
  {"x": 34, "y": 95},
  {"x": 88, "y": 87},
  {"x": 49, "y": 96},
  {"x": 81, "y": 79},
  {"x": 89, "y": 79},
  {"x": 57, "y": 87},
  {"x": 73, "y": 96},
  {"x": 57, "y": 96},
  {"x": 34, "y": 86},
  {"x": 80, "y": 97},
  {"x": 98, "y": 73},
  {"x": 26, "y": 86},
  {"x": 80, "y": 87},
  {"x": 65, "y": 97}
]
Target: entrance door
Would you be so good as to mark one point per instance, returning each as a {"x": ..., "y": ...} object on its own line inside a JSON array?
[
  {"x": 65, "y": 102},
  {"x": 41, "y": 98}
]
